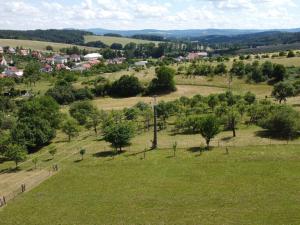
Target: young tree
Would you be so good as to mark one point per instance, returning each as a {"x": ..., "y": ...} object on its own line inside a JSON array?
[
  {"x": 94, "y": 120},
  {"x": 282, "y": 91},
  {"x": 16, "y": 153},
  {"x": 232, "y": 120},
  {"x": 35, "y": 161},
  {"x": 70, "y": 128},
  {"x": 82, "y": 153},
  {"x": 209, "y": 128},
  {"x": 119, "y": 134}
]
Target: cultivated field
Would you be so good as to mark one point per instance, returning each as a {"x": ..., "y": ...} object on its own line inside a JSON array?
[
  {"x": 110, "y": 40},
  {"x": 38, "y": 45}
]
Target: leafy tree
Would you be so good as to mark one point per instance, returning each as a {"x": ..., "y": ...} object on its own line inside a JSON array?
[
  {"x": 62, "y": 92},
  {"x": 238, "y": 68},
  {"x": 94, "y": 120},
  {"x": 213, "y": 101},
  {"x": 37, "y": 122},
  {"x": 267, "y": 69},
  {"x": 49, "y": 48},
  {"x": 279, "y": 72},
  {"x": 116, "y": 46},
  {"x": 220, "y": 69},
  {"x": 291, "y": 54},
  {"x": 232, "y": 120},
  {"x": 32, "y": 72},
  {"x": 126, "y": 86},
  {"x": 70, "y": 128},
  {"x": 81, "y": 111},
  {"x": 164, "y": 81},
  {"x": 16, "y": 153},
  {"x": 209, "y": 128},
  {"x": 250, "y": 98},
  {"x": 119, "y": 134},
  {"x": 282, "y": 91}
]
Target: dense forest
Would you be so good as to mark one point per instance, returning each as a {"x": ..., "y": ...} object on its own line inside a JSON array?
[
  {"x": 61, "y": 36},
  {"x": 250, "y": 40}
]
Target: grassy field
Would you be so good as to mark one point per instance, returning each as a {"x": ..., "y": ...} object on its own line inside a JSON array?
[
  {"x": 38, "y": 45},
  {"x": 110, "y": 40},
  {"x": 251, "y": 185}
]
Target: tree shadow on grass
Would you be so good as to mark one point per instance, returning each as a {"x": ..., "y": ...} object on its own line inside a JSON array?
[
  {"x": 227, "y": 138},
  {"x": 47, "y": 160},
  {"x": 275, "y": 136},
  {"x": 108, "y": 154},
  {"x": 10, "y": 170},
  {"x": 78, "y": 160},
  {"x": 197, "y": 150}
]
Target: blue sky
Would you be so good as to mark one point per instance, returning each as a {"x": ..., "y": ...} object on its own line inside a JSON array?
[{"x": 143, "y": 14}]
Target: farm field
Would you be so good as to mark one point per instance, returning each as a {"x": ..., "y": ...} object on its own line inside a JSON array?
[
  {"x": 38, "y": 45},
  {"x": 110, "y": 40}
]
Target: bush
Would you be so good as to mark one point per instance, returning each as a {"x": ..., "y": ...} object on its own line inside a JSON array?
[{"x": 282, "y": 121}]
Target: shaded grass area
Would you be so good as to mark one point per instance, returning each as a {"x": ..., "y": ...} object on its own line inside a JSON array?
[{"x": 250, "y": 185}]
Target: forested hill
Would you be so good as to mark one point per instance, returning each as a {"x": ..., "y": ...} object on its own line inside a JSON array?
[
  {"x": 251, "y": 40},
  {"x": 61, "y": 36}
]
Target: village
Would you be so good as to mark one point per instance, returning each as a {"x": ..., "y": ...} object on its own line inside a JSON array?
[{"x": 53, "y": 61}]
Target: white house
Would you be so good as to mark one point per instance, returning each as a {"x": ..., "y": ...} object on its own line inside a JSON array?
[
  {"x": 3, "y": 62},
  {"x": 92, "y": 56},
  {"x": 11, "y": 50},
  {"x": 12, "y": 72},
  {"x": 141, "y": 63},
  {"x": 60, "y": 59},
  {"x": 75, "y": 58}
]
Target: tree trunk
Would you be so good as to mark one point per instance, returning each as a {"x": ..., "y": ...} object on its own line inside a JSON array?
[
  {"x": 233, "y": 131},
  {"x": 207, "y": 143},
  {"x": 95, "y": 129},
  {"x": 69, "y": 138}
]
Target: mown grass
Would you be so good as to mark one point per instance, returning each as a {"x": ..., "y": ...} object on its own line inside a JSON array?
[
  {"x": 250, "y": 185},
  {"x": 39, "y": 45},
  {"x": 110, "y": 40}
]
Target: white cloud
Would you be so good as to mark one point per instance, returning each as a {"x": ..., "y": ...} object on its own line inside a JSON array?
[{"x": 138, "y": 14}]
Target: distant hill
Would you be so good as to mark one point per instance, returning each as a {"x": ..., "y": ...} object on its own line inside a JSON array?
[
  {"x": 189, "y": 33},
  {"x": 60, "y": 36},
  {"x": 252, "y": 40}
]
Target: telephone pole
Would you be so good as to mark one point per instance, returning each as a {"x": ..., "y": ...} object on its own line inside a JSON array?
[{"x": 154, "y": 142}]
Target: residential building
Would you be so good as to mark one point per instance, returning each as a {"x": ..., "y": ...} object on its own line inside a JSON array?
[
  {"x": 12, "y": 72},
  {"x": 60, "y": 59},
  {"x": 141, "y": 63},
  {"x": 3, "y": 62},
  {"x": 92, "y": 56},
  {"x": 75, "y": 58}
]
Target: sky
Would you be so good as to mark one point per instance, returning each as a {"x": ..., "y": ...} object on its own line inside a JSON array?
[{"x": 146, "y": 14}]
